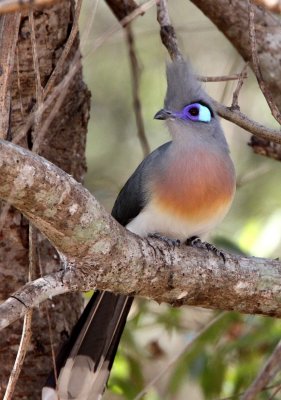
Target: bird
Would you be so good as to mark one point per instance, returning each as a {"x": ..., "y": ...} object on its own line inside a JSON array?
[{"x": 178, "y": 193}]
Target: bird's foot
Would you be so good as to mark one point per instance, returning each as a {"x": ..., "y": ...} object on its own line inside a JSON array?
[
  {"x": 195, "y": 241},
  {"x": 169, "y": 241}
]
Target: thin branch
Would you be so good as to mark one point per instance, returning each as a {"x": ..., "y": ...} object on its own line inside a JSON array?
[
  {"x": 26, "y": 330},
  {"x": 183, "y": 351},
  {"x": 240, "y": 119},
  {"x": 275, "y": 392},
  {"x": 129, "y": 17},
  {"x": 9, "y": 28},
  {"x": 234, "y": 105},
  {"x": 222, "y": 78},
  {"x": 25, "y": 340},
  {"x": 53, "y": 353},
  {"x": 39, "y": 89},
  {"x": 266, "y": 374},
  {"x": 135, "y": 73},
  {"x": 10, "y": 6},
  {"x": 256, "y": 65},
  {"x": 167, "y": 32}
]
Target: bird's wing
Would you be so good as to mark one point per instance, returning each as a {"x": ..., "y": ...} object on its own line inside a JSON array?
[{"x": 135, "y": 193}]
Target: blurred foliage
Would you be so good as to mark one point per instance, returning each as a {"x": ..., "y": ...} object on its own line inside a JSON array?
[{"x": 227, "y": 357}]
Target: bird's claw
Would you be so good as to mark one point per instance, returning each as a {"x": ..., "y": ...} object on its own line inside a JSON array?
[
  {"x": 169, "y": 241},
  {"x": 195, "y": 241}
]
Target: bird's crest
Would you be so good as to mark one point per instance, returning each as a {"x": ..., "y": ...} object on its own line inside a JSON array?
[{"x": 183, "y": 88}]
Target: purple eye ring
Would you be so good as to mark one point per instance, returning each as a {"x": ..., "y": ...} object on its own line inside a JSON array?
[{"x": 196, "y": 112}]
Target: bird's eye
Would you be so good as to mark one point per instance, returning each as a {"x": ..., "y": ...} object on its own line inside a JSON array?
[{"x": 196, "y": 112}]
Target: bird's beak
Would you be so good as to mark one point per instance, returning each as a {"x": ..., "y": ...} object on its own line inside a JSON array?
[{"x": 163, "y": 114}]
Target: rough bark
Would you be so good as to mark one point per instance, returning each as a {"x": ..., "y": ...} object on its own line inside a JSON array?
[
  {"x": 64, "y": 144},
  {"x": 101, "y": 253}
]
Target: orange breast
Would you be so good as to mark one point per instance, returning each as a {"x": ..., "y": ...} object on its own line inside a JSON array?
[{"x": 197, "y": 188}]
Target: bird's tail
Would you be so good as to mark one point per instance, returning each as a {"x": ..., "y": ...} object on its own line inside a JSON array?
[{"x": 84, "y": 362}]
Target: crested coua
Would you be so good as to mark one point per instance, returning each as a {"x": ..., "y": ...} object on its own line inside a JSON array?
[{"x": 182, "y": 190}]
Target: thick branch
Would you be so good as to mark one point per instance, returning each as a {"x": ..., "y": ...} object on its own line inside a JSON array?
[{"x": 100, "y": 253}]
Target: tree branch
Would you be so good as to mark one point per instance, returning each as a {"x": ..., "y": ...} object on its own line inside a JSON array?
[
  {"x": 232, "y": 114},
  {"x": 98, "y": 252}
]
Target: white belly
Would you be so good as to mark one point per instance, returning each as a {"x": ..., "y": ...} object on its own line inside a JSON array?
[{"x": 152, "y": 220}]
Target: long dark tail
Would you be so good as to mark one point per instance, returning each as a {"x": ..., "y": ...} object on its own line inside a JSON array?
[{"x": 84, "y": 362}]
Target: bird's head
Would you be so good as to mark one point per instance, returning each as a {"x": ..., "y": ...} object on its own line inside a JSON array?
[{"x": 187, "y": 108}]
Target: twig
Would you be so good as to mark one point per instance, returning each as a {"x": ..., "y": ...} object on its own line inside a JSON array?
[
  {"x": 240, "y": 119},
  {"x": 267, "y": 373},
  {"x": 9, "y": 6},
  {"x": 135, "y": 72},
  {"x": 25, "y": 339},
  {"x": 9, "y": 27},
  {"x": 238, "y": 395},
  {"x": 38, "y": 86},
  {"x": 123, "y": 22},
  {"x": 256, "y": 65},
  {"x": 275, "y": 392},
  {"x": 222, "y": 78},
  {"x": 26, "y": 330},
  {"x": 234, "y": 105},
  {"x": 167, "y": 32},
  {"x": 185, "y": 349},
  {"x": 49, "y": 323}
]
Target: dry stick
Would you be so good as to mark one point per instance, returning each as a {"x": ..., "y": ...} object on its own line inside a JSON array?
[
  {"x": 167, "y": 32},
  {"x": 123, "y": 22},
  {"x": 275, "y": 392},
  {"x": 238, "y": 395},
  {"x": 9, "y": 27},
  {"x": 39, "y": 89},
  {"x": 26, "y": 330},
  {"x": 88, "y": 26},
  {"x": 18, "y": 81},
  {"x": 234, "y": 105},
  {"x": 135, "y": 73},
  {"x": 25, "y": 339},
  {"x": 256, "y": 65},
  {"x": 186, "y": 348},
  {"x": 9, "y": 6},
  {"x": 49, "y": 325},
  {"x": 240, "y": 119},
  {"x": 222, "y": 78},
  {"x": 267, "y": 373}
]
